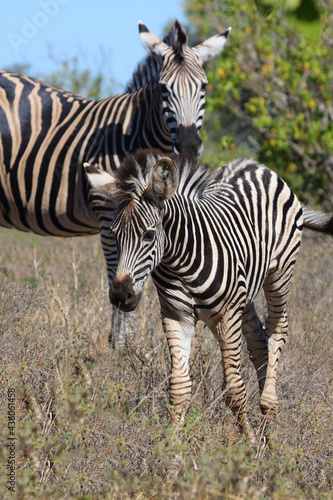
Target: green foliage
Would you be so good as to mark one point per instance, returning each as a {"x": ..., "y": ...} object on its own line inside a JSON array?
[
  {"x": 272, "y": 89},
  {"x": 70, "y": 75}
]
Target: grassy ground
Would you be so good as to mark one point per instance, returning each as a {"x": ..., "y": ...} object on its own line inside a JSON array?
[{"x": 92, "y": 422}]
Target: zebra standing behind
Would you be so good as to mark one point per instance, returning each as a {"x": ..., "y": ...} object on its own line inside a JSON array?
[
  {"x": 211, "y": 241},
  {"x": 46, "y": 134}
]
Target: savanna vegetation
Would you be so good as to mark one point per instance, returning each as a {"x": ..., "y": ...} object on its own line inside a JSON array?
[
  {"x": 271, "y": 91},
  {"x": 92, "y": 421}
]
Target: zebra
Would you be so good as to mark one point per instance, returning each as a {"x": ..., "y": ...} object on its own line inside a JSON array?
[
  {"x": 210, "y": 240},
  {"x": 47, "y": 133}
]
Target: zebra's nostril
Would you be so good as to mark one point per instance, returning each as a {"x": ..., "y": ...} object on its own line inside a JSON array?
[{"x": 122, "y": 289}]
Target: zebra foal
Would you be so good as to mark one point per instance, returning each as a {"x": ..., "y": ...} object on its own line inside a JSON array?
[{"x": 211, "y": 241}]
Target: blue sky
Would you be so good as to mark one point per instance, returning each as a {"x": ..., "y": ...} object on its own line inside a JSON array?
[{"x": 101, "y": 33}]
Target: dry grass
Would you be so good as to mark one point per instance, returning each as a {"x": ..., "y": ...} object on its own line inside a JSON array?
[{"x": 92, "y": 422}]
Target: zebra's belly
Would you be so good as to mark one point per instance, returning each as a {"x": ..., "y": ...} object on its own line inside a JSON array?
[
  {"x": 42, "y": 221},
  {"x": 212, "y": 309}
]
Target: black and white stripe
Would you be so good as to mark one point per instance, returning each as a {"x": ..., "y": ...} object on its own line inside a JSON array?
[
  {"x": 46, "y": 134},
  {"x": 211, "y": 241}
]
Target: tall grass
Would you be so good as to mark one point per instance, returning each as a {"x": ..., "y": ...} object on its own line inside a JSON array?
[{"x": 92, "y": 422}]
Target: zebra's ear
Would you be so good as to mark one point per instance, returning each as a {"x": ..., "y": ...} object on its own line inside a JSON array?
[
  {"x": 212, "y": 47},
  {"x": 181, "y": 38},
  {"x": 165, "y": 179},
  {"x": 100, "y": 180},
  {"x": 152, "y": 43}
]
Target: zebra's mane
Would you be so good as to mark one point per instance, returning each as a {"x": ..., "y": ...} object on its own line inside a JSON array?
[
  {"x": 151, "y": 65},
  {"x": 134, "y": 175}
]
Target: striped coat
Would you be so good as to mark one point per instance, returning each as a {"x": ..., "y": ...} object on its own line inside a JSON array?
[{"x": 211, "y": 241}]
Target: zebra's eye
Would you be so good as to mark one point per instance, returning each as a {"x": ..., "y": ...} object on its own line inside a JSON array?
[
  {"x": 150, "y": 235},
  {"x": 203, "y": 86}
]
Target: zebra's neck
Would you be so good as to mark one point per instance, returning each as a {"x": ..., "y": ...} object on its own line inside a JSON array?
[
  {"x": 127, "y": 122},
  {"x": 179, "y": 231}
]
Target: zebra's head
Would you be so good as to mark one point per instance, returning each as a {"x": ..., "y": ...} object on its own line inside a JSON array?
[
  {"x": 182, "y": 83},
  {"x": 138, "y": 189}
]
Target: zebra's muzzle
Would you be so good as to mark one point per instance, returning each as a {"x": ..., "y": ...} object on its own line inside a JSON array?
[
  {"x": 188, "y": 141},
  {"x": 122, "y": 295}
]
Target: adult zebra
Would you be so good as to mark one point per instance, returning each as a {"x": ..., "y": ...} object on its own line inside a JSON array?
[
  {"x": 211, "y": 241},
  {"x": 46, "y": 134}
]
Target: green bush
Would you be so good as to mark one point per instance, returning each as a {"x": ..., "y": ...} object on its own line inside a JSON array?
[{"x": 271, "y": 90}]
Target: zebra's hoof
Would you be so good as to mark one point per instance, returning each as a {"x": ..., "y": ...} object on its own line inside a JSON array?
[{"x": 174, "y": 468}]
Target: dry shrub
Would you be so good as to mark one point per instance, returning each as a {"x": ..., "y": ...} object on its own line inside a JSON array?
[{"x": 92, "y": 422}]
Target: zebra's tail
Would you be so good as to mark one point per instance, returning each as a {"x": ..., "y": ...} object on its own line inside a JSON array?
[{"x": 318, "y": 221}]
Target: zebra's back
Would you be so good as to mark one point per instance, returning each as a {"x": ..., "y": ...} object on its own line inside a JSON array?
[{"x": 233, "y": 233}]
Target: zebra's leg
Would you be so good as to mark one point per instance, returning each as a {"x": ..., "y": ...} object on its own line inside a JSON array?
[
  {"x": 120, "y": 322},
  {"x": 179, "y": 336},
  {"x": 229, "y": 335},
  {"x": 119, "y": 329},
  {"x": 276, "y": 288},
  {"x": 255, "y": 336}
]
